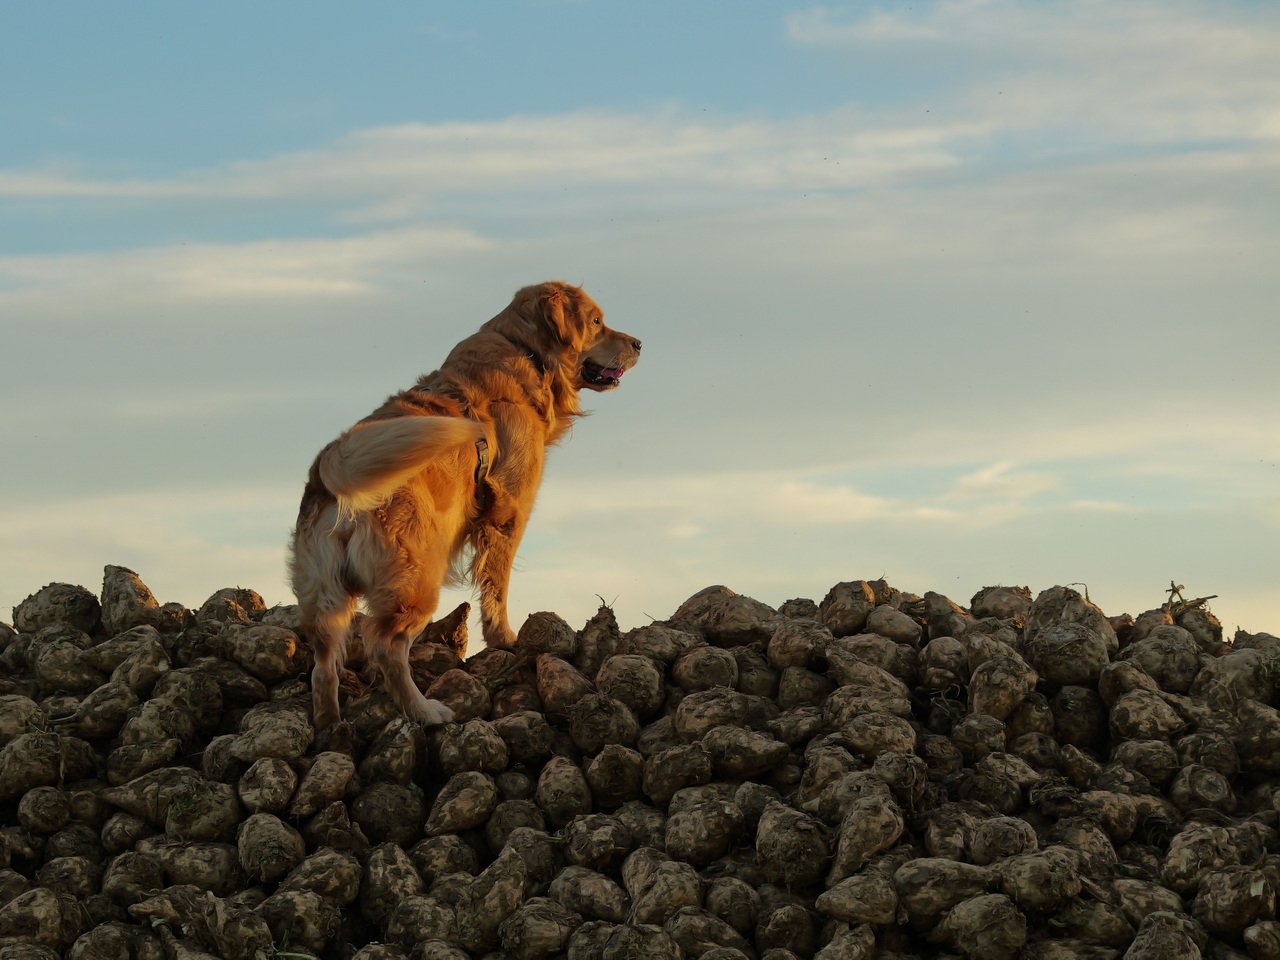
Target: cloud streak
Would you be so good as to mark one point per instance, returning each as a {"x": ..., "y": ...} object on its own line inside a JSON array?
[
  {"x": 266, "y": 269},
  {"x": 406, "y": 169},
  {"x": 1139, "y": 71},
  {"x": 176, "y": 537},
  {"x": 1058, "y": 79}
]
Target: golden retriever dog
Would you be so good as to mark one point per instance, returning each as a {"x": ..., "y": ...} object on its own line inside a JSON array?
[{"x": 453, "y": 463}]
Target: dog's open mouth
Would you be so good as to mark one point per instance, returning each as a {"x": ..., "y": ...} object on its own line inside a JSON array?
[{"x": 599, "y": 376}]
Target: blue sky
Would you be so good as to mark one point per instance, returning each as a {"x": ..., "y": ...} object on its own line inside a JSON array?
[{"x": 957, "y": 293}]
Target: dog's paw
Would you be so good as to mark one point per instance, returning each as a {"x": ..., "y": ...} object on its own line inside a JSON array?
[
  {"x": 325, "y": 715},
  {"x": 433, "y": 713},
  {"x": 499, "y": 636}
]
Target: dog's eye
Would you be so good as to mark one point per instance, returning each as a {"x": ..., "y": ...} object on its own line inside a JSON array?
[{"x": 596, "y": 321}]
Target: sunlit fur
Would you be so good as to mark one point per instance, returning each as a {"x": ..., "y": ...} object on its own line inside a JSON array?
[{"x": 391, "y": 505}]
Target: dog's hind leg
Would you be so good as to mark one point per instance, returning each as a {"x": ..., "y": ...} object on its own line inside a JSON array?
[
  {"x": 389, "y": 648},
  {"x": 329, "y": 632}
]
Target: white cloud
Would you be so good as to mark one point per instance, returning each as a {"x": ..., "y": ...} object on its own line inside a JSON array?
[
  {"x": 757, "y": 538},
  {"x": 804, "y": 501},
  {"x": 1003, "y": 481},
  {"x": 413, "y": 168},
  {"x": 651, "y": 541},
  {"x": 1203, "y": 439},
  {"x": 710, "y": 505},
  {"x": 185, "y": 542},
  {"x": 1141, "y": 71},
  {"x": 43, "y": 184},
  {"x": 195, "y": 404},
  {"x": 1100, "y": 506},
  {"x": 1055, "y": 78},
  {"x": 684, "y": 531},
  {"x": 1202, "y": 211},
  {"x": 260, "y": 270}
]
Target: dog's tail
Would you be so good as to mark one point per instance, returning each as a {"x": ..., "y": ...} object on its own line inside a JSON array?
[{"x": 368, "y": 463}]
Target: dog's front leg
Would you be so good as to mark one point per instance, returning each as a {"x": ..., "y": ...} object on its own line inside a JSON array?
[{"x": 496, "y": 540}]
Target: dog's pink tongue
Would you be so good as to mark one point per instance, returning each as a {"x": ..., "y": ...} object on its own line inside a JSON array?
[{"x": 613, "y": 373}]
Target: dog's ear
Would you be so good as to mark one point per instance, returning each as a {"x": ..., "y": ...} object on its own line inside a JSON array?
[
  {"x": 556, "y": 307},
  {"x": 546, "y": 316}
]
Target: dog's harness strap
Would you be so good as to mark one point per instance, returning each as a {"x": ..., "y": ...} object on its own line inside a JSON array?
[{"x": 482, "y": 471}]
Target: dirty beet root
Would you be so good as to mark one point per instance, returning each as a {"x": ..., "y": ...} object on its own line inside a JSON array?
[{"x": 869, "y": 774}]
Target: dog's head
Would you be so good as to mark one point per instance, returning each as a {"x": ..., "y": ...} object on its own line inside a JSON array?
[{"x": 565, "y": 328}]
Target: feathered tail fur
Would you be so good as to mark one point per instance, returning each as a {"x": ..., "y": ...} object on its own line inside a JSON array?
[{"x": 369, "y": 462}]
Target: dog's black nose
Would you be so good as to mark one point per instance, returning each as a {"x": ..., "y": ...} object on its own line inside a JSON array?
[{"x": 636, "y": 343}]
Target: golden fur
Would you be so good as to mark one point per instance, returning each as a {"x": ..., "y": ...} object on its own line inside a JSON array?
[{"x": 391, "y": 505}]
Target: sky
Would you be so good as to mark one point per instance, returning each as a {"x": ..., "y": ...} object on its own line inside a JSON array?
[{"x": 953, "y": 293}]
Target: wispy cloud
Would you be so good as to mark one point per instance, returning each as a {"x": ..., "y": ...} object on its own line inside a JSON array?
[
  {"x": 1140, "y": 71},
  {"x": 176, "y": 537},
  {"x": 588, "y": 540},
  {"x": 408, "y": 169},
  {"x": 265, "y": 269},
  {"x": 1189, "y": 209},
  {"x": 1057, "y": 78},
  {"x": 713, "y": 503},
  {"x": 775, "y": 537},
  {"x": 1002, "y": 480},
  {"x": 1190, "y": 91}
]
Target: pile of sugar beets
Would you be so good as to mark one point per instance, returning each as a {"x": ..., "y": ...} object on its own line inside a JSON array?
[{"x": 876, "y": 775}]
